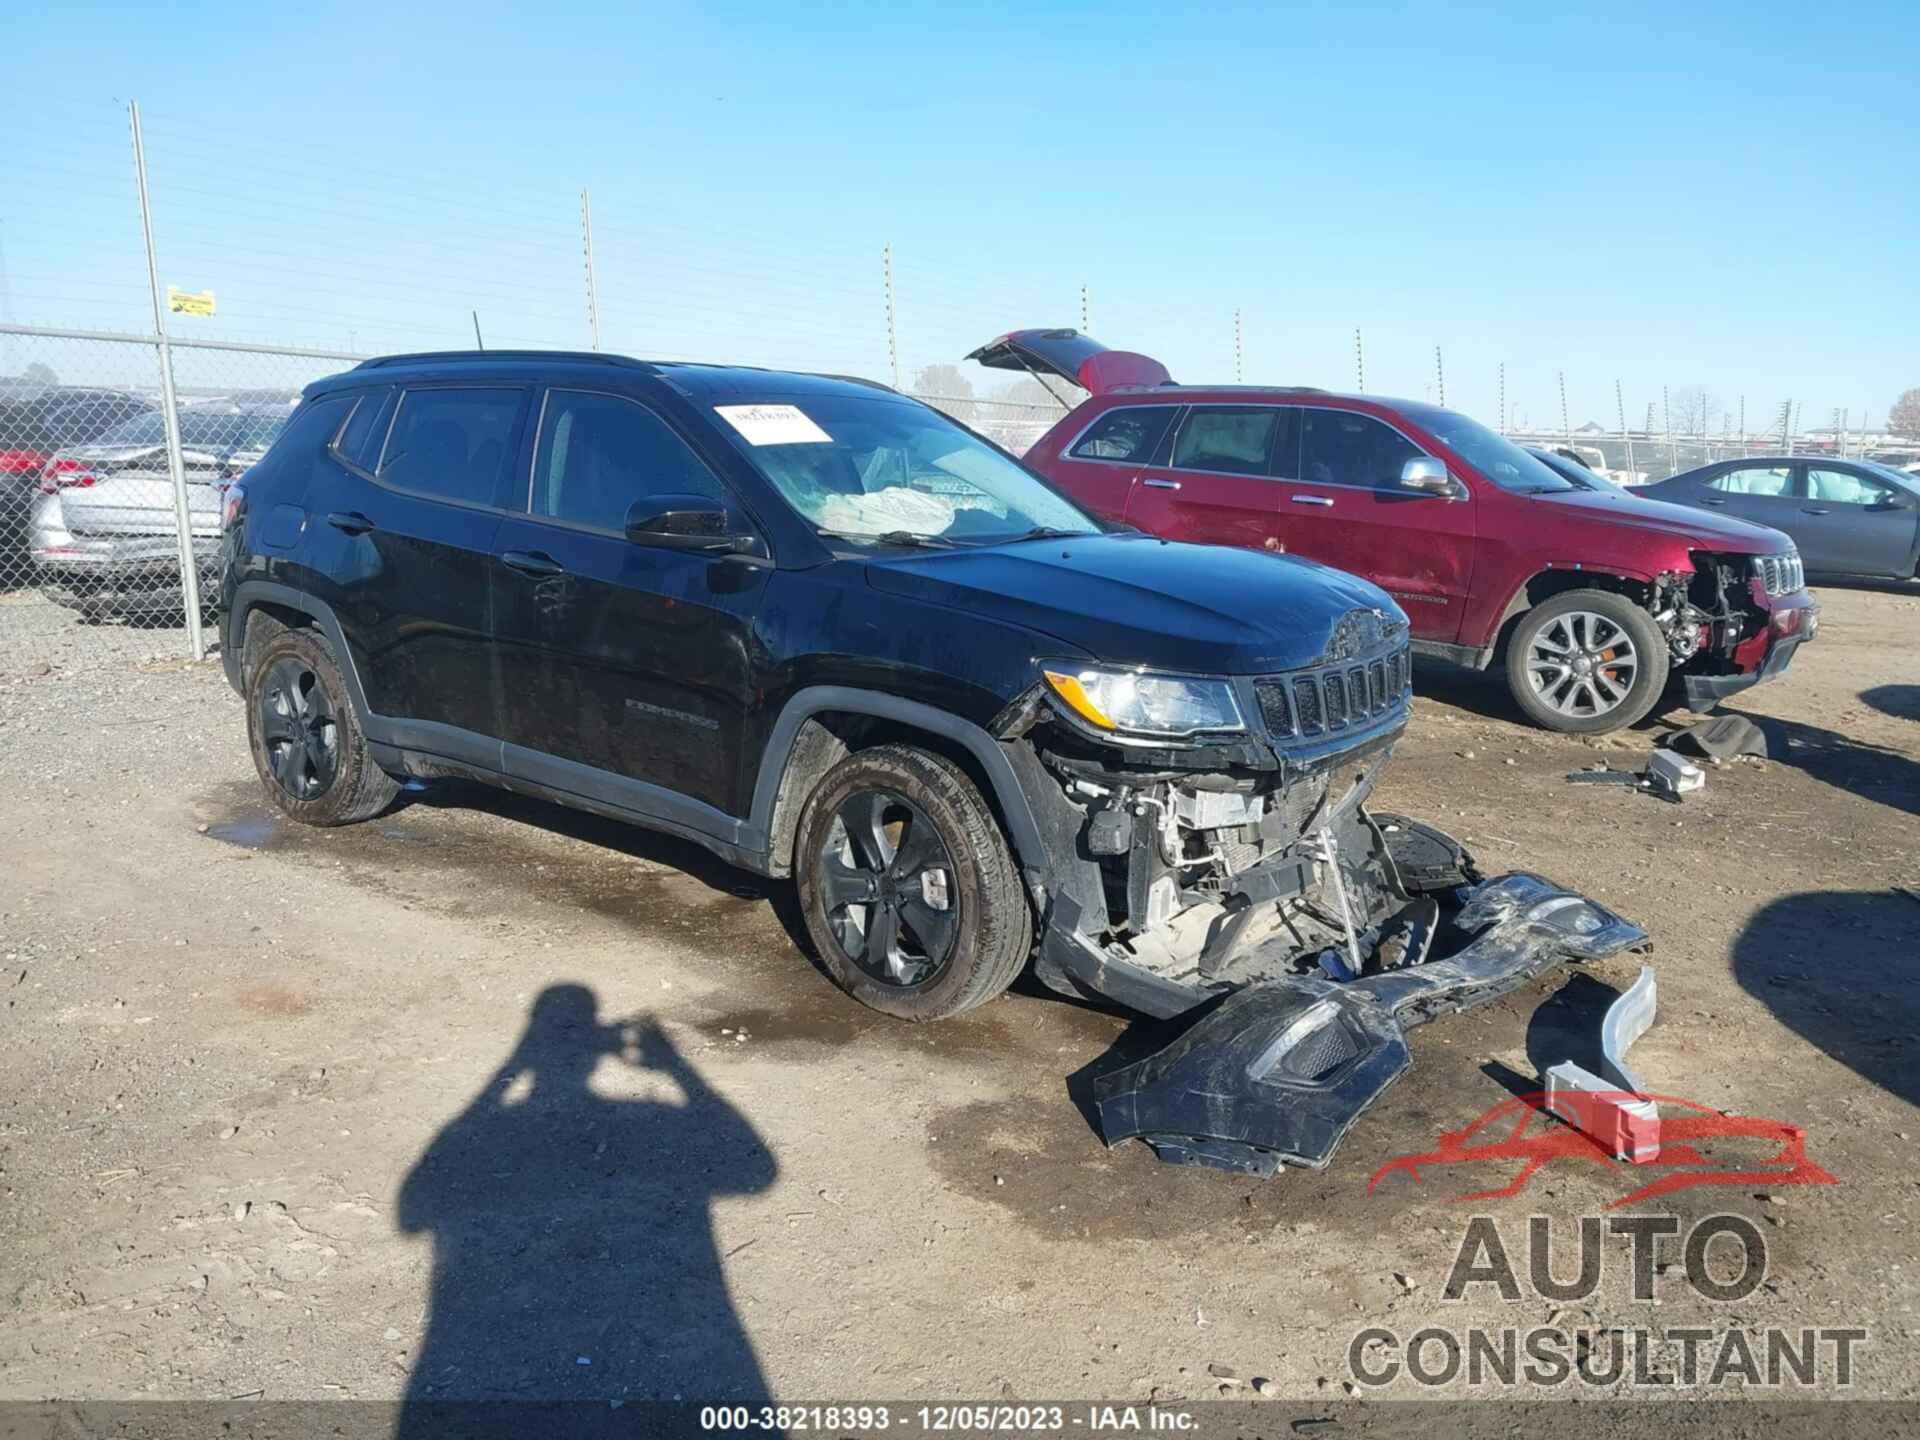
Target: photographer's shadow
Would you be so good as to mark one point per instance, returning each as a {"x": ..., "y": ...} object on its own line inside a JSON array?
[{"x": 573, "y": 1250}]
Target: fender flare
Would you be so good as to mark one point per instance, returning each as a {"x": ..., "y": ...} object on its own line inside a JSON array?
[
  {"x": 1518, "y": 604},
  {"x": 1023, "y": 830},
  {"x": 250, "y": 594}
]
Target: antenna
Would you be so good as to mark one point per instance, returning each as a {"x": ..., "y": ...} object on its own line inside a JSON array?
[{"x": 478, "y": 343}]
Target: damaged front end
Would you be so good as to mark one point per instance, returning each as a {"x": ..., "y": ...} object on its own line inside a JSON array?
[
  {"x": 1240, "y": 870},
  {"x": 1733, "y": 621}
]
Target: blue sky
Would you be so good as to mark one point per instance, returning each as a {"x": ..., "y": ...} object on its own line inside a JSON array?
[{"x": 1688, "y": 196}]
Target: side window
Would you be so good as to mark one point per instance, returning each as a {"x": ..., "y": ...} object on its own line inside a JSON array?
[
  {"x": 1754, "y": 480},
  {"x": 451, "y": 443},
  {"x": 598, "y": 454},
  {"x": 358, "y": 442},
  {"x": 1235, "y": 438},
  {"x": 308, "y": 428},
  {"x": 1129, "y": 433},
  {"x": 1843, "y": 487},
  {"x": 1338, "y": 447}
]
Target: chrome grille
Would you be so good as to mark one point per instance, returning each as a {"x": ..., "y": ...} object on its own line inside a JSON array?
[
  {"x": 1780, "y": 574},
  {"x": 1332, "y": 698}
]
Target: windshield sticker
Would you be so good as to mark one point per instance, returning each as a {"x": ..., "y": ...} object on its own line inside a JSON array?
[{"x": 773, "y": 424}]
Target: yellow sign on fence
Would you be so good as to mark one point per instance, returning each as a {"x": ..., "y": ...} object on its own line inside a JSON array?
[{"x": 187, "y": 302}]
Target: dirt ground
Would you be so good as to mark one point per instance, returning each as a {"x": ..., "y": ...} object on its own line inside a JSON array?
[{"x": 485, "y": 1098}]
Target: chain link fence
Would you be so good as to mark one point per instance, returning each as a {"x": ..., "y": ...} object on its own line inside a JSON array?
[{"x": 98, "y": 490}]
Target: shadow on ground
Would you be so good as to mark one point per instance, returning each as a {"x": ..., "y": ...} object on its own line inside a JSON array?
[
  {"x": 1837, "y": 968},
  {"x": 573, "y": 1249},
  {"x": 1873, "y": 772},
  {"x": 1900, "y": 701},
  {"x": 1484, "y": 693}
]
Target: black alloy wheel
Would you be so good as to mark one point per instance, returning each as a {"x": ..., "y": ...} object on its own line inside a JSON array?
[
  {"x": 299, "y": 729},
  {"x": 886, "y": 881}
]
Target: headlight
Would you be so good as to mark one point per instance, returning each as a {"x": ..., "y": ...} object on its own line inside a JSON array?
[{"x": 1135, "y": 704}]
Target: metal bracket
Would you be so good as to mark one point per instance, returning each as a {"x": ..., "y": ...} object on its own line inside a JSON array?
[{"x": 1611, "y": 1107}]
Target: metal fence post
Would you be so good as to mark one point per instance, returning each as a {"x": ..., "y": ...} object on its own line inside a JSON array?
[
  {"x": 1620, "y": 405},
  {"x": 893, "y": 344},
  {"x": 593, "y": 289},
  {"x": 169, "y": 407}
]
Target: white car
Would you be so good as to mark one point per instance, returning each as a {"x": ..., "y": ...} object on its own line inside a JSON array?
[{"x": 103, "y": 531}]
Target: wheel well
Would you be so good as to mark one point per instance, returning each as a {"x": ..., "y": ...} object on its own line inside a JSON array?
[
  {"x": 1549, "y": 583},
  {"x": 828, "y": 737},
  {"x": 271, "y": 615}
]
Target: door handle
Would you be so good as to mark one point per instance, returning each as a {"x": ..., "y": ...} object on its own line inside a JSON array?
[
  {"x": 531, "y": 562},
  {"x": 1161, "y": 484},
  {"x": 350, "y": 522},
  {"x": 1705, "y": 501},
  {"x": 1815, "y": 510},
  {"x": 1313, "y": 500}
]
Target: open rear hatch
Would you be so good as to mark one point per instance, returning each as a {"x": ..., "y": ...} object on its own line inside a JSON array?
[{"x": 1076, "y": 358}]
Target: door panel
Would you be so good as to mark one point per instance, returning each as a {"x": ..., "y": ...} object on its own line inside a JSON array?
[
  {"x": 407, "y": 569},
  {"x": 1765, "y": 494},
  {"x": 626, "y": 658},
  {"x": 1099, "y": 467},
  {"x": 1216, "y": 490},
  {"x": 1348, "y": 511},
  {"x": 1853, "y": 523}
]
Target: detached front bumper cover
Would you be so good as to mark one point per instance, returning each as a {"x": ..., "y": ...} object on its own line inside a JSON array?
[{"x": 1277, "y": 1073}]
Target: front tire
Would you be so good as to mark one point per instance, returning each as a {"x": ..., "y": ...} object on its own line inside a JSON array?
[
  {"x": 910, "y": 894},
  {"x": 308, "y": 748},
  {"x": 1587, "y": 662}
]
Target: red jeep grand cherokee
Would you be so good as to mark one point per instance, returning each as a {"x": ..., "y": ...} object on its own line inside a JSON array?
[{"x": 1591, "y": 599}]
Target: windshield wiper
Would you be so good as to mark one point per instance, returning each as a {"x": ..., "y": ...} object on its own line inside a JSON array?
[
  {"x": 1047, "y": 532},
  {"x": 894, "y": 537}
]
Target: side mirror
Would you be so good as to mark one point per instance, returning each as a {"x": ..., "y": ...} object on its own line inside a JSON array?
[
  {"x": 1426, "y": 475},
  {"x": 688, "y": 522}
]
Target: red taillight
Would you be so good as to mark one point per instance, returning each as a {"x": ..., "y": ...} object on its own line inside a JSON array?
[
  {"x": 68, "y": 475},
  {"x": 233, "y": 504},
  {"x": 22, "y": 462}
]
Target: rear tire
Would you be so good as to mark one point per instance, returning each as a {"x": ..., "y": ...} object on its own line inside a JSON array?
[
  {"x": 910, "y": 894},
  {"x": 308, "y": 748},
  {"x": 1586, "y": 662}
]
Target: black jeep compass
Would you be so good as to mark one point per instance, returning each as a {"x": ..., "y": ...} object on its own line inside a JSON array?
[{"x": 827, "y": 632}]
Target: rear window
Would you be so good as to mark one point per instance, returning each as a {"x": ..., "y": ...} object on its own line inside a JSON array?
[
  {"x": 1754, "y": 480},
  {"x": 1130, "y": 433},
  {"x": 451, "y": 443},
  {"x": 1237, "y": 439},
  {"x": 359, "y": 442}
]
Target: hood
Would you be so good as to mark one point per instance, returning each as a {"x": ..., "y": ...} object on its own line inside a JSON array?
[
  {"x": 1135, "y": 600},
  {"x": 1078, "y": 359},
  {"x": 1709, "y": 532}
]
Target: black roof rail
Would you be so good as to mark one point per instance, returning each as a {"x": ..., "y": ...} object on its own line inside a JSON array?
[{"x": 429, "y": 356}]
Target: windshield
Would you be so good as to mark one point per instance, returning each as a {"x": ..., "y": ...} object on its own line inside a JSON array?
[
  {"x": 224, "y": 431},
  {"x": 1582, "y": 477},
  {"x": 1494, "y": 456},
  {"x": 882, "y": 469}
]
